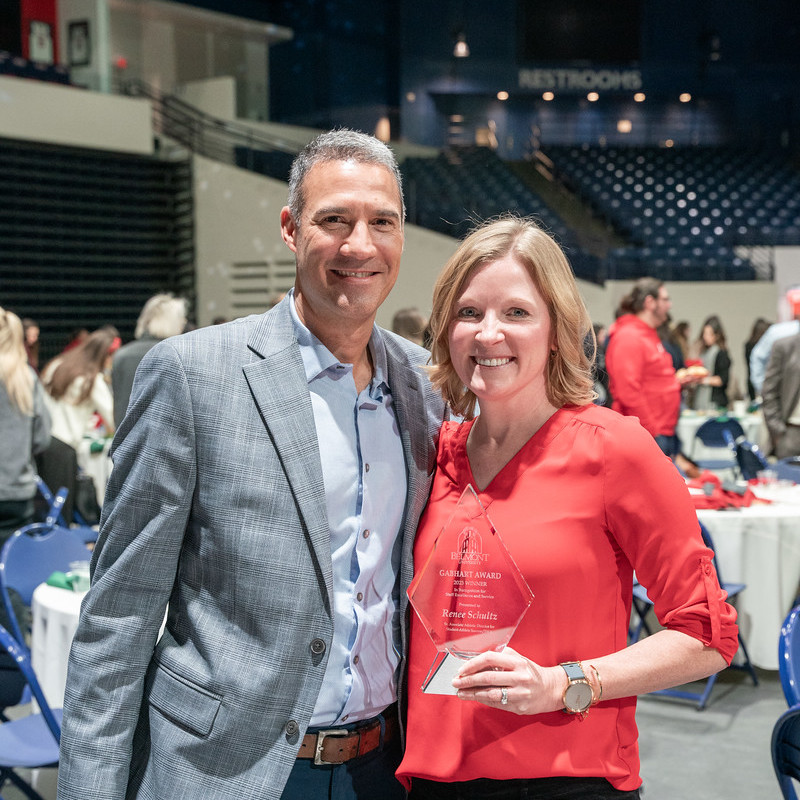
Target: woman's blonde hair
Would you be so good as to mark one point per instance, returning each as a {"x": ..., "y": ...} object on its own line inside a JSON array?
[
  {"x": 15, "y": 373},
  {"x": 568, "y": 376}
]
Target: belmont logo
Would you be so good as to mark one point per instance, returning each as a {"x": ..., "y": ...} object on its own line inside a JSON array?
[{"x": 470, "y": 547}]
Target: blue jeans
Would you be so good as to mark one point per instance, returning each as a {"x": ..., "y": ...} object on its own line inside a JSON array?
[
  {"x": 671, "y": 445},
  {"x": 370, "y": 777},
  {"x": 523, "y": 789}
]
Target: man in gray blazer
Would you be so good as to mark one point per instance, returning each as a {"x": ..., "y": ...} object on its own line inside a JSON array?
[
  {"x": 781, "y": 397},
  {"x": 268, "y": 479}
]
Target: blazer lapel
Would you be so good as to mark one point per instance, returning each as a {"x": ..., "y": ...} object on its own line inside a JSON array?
[
  {"x": 280, "y": 391},
  {"x": 407, "y": 395}
]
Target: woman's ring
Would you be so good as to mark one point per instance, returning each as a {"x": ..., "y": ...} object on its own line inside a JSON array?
[{"x": 503, "y": 696}]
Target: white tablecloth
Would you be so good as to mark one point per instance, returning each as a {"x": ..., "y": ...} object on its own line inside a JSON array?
[
  {"x": 55, "y": 619},
  {"x": 760, "y": 546},
  {"x": 98, "y": 465}
]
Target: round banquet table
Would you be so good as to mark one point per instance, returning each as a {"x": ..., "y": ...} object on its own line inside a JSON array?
[
  {"x": 760, "y": 547},
  {"x": 55, "y": 619},
  {"x": 94, "y": 460}
]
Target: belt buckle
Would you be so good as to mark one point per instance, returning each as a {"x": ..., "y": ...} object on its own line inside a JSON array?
[{"x": 322, "y": 736}]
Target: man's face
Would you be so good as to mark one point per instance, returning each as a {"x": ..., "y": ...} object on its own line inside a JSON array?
[
  {"x": 348, "y": 244},
  {"x": 661, "y": 306}
]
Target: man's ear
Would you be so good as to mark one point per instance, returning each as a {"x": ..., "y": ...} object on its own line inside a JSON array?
[{"x": 288, "y": 229}]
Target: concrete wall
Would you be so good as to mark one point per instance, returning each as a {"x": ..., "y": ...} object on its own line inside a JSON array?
[{"x": 44, "y": 112}]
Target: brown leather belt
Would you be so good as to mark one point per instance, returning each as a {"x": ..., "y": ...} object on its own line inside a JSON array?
[{"x": 339, "y": 745}]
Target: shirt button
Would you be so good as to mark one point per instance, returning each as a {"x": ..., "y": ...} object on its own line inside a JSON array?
[
  {"x": 291, "y": 728},
  {"x": 317, "y": 646},
  {"x": 366, "y": 534},
  {"x": 360, "y": 596},
  {"x": 366, "y": 467},
  {"x": 355, "y": 659},
  {"x": 344, "y": 718}
]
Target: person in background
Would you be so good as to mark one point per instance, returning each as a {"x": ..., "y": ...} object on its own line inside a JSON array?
[
  {"x": 679, "y": 335},
  {"x": 759, "y": 329},
  {"x": 781, "y": 397},
  {"x": 508, "y": 327},
  {"x": 712, "y": 390},
  {"x": 268, "y": 480},
  {"x": 759, "y": 356},
  {"x": 673, "y": 347},
  {"x": 76, "y": 386},
  {"x": 642, "y": 378},
  {"x": 162, "y": 316},
  {"x": 75, "y": 389},
  {"x": 595, "y": 346},
  {"x": 31, "y": 330},
  {"x": 410, "y": 324},
  {"x": 24, "y": 427},
  {"x": 76, "y": 337}
]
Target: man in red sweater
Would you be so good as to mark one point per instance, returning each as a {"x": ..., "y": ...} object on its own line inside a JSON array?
[{"x": 642, "y": 378}]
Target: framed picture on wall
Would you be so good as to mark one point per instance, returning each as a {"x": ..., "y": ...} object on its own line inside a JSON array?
[
  {"x": 79, "y": 50},
  {"x": 40, "y": 42}
]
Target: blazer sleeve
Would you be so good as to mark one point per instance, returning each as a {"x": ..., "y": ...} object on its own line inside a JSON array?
[
  {"x": 771, "y": 405},
  {"x": 134, "y": 567}
]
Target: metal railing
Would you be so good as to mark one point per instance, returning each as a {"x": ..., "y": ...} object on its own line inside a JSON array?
[{"x": 201, "y": 133}]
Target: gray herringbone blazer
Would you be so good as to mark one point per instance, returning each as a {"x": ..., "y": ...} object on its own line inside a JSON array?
[{"x": 216, "y": 507}]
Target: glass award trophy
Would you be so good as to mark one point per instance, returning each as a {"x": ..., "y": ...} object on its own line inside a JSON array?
[{"x": 469, "y": 594}]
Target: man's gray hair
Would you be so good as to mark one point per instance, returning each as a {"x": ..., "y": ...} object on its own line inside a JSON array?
[
  {"x": 163, "y": 315},
  {"x": 341, "y": 144}
]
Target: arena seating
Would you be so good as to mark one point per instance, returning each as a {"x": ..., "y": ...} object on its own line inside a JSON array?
[
  {"x": 87, "y": 236},
  {"x": 684, "y": 210},
  {"x": 467, "y": 184}
]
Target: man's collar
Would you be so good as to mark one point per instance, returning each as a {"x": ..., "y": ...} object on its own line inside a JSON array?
[{"x": 317, "y": 358}]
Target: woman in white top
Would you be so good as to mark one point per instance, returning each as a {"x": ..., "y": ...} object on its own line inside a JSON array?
[{"x": 77, "y": 387}]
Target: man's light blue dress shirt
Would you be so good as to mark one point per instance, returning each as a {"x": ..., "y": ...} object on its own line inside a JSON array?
[{"x": 364, "y": 472}]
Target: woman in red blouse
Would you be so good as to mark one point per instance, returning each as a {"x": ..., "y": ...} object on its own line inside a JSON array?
[{"x": 581, "y": 497}]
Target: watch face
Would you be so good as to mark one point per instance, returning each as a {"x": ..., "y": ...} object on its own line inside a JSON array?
[{"x": 578, "y": 696}]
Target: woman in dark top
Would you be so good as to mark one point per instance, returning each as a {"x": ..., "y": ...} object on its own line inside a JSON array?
[{"x": 713, "y": 390}]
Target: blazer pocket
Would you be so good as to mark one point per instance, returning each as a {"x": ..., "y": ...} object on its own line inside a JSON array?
[{"x": 184, "y": 703}]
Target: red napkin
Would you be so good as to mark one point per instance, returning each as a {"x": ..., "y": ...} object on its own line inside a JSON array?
[{"x": 714, "y": 496}]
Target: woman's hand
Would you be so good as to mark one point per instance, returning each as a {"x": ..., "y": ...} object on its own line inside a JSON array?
[{"x": 529, "y": 688}]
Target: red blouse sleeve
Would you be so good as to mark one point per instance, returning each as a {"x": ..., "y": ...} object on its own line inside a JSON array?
[{"x": 660, "y": 535}]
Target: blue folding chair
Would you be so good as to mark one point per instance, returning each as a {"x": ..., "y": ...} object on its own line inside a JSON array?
[
  {"x": 788, "y": 469},
  {"x": 29, "y": 557},
  {"x": 721, "y": 434},
  {"x": 642, "y": 604},
  {"x": 29, "y": 742},
  {"x": 789, "y": 657},
  {"x": 750, "y": 459},
  {"x": 786, "y": 751},
  {"x": 54, "y": 515}
]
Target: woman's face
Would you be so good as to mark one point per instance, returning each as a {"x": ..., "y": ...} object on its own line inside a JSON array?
[
  {"x": 709, "y": 337},
  {"x": 500, "y": 336}
]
